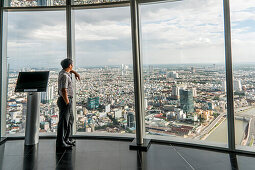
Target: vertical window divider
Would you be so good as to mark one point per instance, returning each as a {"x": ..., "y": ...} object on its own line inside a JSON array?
[
  {"x": 1, "y": 72},
  {"x": 3, "y": 69},
  {"x": 70, "y": 50},
  {"x": 139, "y": 142},
  {"x": 229, "y": 78}
]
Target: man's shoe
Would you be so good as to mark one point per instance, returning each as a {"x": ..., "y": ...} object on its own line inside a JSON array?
[{"x": 71, "y": 142}]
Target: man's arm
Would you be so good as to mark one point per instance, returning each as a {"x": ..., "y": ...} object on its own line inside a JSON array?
[
  {"x": 65, "y": 96},
  {"x": 77, "y": 76}
]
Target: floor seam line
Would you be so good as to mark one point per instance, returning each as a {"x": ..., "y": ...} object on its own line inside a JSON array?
[
  {"x": 60, "y": 158},
  {"x": 182, "y": 157}
]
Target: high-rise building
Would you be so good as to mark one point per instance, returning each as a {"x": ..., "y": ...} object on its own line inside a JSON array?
[
  {"x": 107, "y": 108},
  {"x": 130, "y": 119},
  {"x": 47, "y": 97},
  {"x": 172, "y": 74},
  {"x": 223, "y": 86},
  {"x": 186, "y": 100},
  {"x": 194, "y": 92},
  {"x": 49, "y": 2},
  {"x": 93, "y": 103},
  {"x": 176, "y": 92},
  {"x": 117, "y": 114},
  {"x": 237, "y": 85},
  {"x": 151, "y": 69},
  {"x": 193, "y": 70}
]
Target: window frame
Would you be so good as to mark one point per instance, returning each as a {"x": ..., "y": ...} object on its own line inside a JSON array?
[{"x": 136, "y": 48}]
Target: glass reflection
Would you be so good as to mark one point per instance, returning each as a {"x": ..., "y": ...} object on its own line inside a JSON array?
[{"x": 30, "y": 159}]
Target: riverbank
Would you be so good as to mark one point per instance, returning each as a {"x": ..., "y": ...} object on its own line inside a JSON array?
[
  {"x": 213, "y": 129},
  {"x": 219, "y": 134}
]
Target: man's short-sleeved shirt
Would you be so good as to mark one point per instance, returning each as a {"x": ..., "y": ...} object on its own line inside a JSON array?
[{"x": 65, "y": 81}]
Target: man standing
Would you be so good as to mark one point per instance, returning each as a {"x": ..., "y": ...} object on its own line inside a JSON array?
[{"x": 65, "y": 91}]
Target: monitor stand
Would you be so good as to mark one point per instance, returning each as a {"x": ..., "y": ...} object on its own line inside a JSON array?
[{"x": 32, "y": 118}]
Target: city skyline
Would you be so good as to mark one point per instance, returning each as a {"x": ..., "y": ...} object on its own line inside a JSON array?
[{"x": 180, "y": 100}]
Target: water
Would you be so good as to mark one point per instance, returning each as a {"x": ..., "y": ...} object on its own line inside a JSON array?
[{"x": 220, "y": 134}]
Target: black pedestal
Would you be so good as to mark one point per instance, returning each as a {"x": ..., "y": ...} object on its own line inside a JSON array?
[{"x": 143, "y": 147}]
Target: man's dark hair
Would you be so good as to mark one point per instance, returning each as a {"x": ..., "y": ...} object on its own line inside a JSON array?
[{"x": 66, "y": 63}]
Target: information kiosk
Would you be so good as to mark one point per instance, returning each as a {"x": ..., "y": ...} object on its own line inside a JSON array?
[{"x": 33, "y": 83}]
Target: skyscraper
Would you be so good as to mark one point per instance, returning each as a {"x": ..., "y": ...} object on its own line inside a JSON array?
[
  {"x": 237, "y": 85},
  {"x": 47, "y": 97},
  {"x": 186, "y": 100},
  {"x": 172, "y": 74},
  {"x": 130, "y": 120},
  {"x": 175, "y": 92},
  {"x": 93, "y": 103}
]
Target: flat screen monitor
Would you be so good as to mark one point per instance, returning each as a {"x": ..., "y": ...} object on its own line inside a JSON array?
[{"x": 32, "y": 81}]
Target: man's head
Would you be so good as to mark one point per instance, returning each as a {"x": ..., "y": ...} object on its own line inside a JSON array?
[{"x": 66, "y": 63}]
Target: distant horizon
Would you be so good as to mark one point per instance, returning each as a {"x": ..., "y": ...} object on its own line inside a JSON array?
[{"x": 130, "y": 65}]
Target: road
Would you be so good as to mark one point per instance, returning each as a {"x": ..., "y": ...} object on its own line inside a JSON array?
[{"x": 209, "y": 127}]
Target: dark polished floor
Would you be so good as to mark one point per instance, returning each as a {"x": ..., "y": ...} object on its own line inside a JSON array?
[{"x": 115, "y": 155}]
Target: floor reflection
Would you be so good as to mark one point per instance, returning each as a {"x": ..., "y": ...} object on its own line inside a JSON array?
[
  {"x": 233, "y": 161},
  {"x": 141, "y": 160},
  {"x": 30, "y": 159}
]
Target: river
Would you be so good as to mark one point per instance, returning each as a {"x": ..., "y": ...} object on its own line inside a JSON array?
[{"x": 219, "y": 135}]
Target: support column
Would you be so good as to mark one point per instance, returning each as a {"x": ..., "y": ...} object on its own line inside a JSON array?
[
  {"x": 70, "y": 34},
  {"x": 139, "y": 143},
  {"x": 229, "y": 78},
  {"x": 3, "y": 69}
]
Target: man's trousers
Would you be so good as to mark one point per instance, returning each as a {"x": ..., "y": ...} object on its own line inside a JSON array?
[{"x": 65, "y": 121}]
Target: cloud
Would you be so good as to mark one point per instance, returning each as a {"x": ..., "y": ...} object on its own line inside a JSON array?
[{"x": 187, "y": 31}]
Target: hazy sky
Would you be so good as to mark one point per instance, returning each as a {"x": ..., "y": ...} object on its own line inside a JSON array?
[{"x": 188, "y": 31}]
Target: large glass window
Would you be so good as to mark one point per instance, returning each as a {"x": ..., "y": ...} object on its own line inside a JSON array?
[
  {"x": 35, "y": 41},
  {"x": 86, "y": 2},
  {"x": 32, "y": 3},
  {"x": 105, "y": 95},
  {"x": 243, "y": 42},
  {"x": 184, "y": 71}
]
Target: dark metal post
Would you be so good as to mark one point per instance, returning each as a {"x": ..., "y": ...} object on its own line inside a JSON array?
[
  {"x": 1, "y": 62},
  {"x": 3, "y": 69},
  {"x": 139, "y": 143},
  {"x": 229, "y": 78},
  {"x": 70, "y": 48}
]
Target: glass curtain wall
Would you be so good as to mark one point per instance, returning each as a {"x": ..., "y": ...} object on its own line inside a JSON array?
[
  {"x": 243, "y": 42},
  {"x": 183, "y": 67},
  {"x": 184, "y": 70},
  {"x": 85, "y": 2},
  {"x": 105, "y": 95},
  {"x": 36, "y": 41},
  {"x": 33, "y": 3}
]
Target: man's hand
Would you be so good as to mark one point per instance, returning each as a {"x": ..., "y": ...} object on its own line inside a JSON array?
[
  {"x": 77, "y": 76},
  {"x": 65, "y": 96}
]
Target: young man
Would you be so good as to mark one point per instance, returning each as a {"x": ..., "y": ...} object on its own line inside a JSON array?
[{"x": 65, "y": 91}]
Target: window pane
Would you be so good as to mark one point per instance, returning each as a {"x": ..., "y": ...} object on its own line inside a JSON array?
[
  {"x": 184, "y": 71},
  {"x": 31, "y": 3},
  {"x": 85, "y": 2},
  {"x": 36, "y": 41},
  {"x": 105, "y": 95},
  {"x": 243, "y": 42}
]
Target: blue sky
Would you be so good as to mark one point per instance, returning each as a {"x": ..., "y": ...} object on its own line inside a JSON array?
[{"x": 188, "y": 31}]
